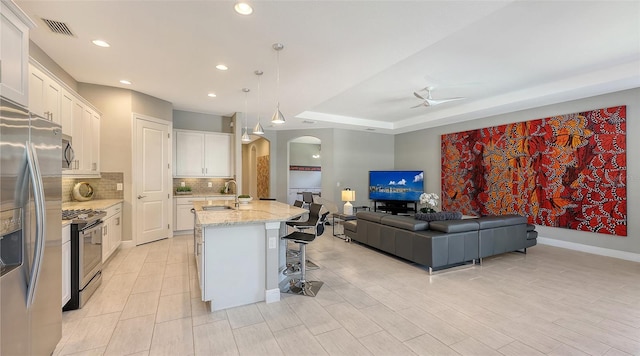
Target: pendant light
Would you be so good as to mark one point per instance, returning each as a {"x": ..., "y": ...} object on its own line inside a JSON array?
[
  {"x": 258, "y": 130},
  {"x": 277, "y": 117},
  {"x": 245, "y": 131}
]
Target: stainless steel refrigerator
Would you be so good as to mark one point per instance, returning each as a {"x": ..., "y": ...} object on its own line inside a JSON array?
[{"x": 30, "y": 233}]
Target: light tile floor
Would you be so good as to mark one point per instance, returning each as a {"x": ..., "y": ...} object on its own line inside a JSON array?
[{"x": 550, "y": 301}]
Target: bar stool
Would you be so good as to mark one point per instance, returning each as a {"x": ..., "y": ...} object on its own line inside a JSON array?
[
  {"x": 314, "y": 216},
  {"x": 297, "y": 204},
  {"x": 301, "y": 286},
  {"x": 307, "y": 198}
]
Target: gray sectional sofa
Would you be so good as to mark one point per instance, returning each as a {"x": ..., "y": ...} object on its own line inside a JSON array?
[{"x": 442, "y": 244}]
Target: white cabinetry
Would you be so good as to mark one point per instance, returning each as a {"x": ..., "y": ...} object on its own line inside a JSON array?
[
  {"x": 89, "y": 160},
  {"x": 44, "y": 95},
  {"x": 67, "y": 100},
  {"x": 182, "y": 212},
  {"x": 52, "y": 99},
  {"x": 66, "y": 264},
  {"x": 14, "y": 53},
  {"x": 182, "y": 215},
  {"x": 111, "y": 231},
  {"x": 83, "y": 125},
  {"x": 189, "y": 154},
  {"x": 202, "y": 154},
  {"x": 217, "y": 155}
]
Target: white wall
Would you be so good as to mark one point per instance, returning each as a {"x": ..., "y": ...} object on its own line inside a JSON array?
[
  {"x": 421, "y": 150},
  {"x": 187, "y": 120},
  {"x": 117, "y": 106}
]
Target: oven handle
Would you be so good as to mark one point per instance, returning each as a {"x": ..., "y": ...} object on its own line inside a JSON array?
[{"x": 92, "y": 228}]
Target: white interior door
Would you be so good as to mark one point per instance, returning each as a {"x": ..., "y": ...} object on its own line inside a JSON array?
[{"x": 151, "y": 180}]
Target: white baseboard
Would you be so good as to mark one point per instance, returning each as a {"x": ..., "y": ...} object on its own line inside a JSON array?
[
  {"x": 623, "y": 255},
  {"x": 272, "y": 295}
]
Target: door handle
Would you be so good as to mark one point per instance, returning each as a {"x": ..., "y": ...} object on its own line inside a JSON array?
[{"x": 141, "y": 196}]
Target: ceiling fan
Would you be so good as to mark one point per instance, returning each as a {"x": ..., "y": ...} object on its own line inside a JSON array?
[{"x": 429, "y": 101}]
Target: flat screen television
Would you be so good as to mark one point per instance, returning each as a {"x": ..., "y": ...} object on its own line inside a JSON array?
[{"x": 396, "y": 185}]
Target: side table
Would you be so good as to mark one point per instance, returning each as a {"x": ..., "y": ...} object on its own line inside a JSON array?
[{"x": 337, "y": 219}]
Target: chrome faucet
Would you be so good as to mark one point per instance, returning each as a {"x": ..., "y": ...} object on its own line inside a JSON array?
[{"x": 226, "y": 186}]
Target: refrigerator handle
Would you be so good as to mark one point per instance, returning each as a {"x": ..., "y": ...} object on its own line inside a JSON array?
[
  {"x": 40, "y": 209},
  {"x": 69, "y": 155}
]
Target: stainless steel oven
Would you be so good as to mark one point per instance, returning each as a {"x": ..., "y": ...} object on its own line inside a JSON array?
[
  {"x": 90, "y": 260},
  {"x": 86, "y": 255}
]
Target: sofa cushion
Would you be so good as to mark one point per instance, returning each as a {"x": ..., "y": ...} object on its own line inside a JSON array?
[
  {"x": 370, "y": 216},
  {"x": 404, "y": 222},
  {"x": 531, "y": 227},
  {"x": 450, "y": 226},
  {"x": 490, "y": 222},
  {"x": 351, "y": 225},
  {"x": 439, "y": 216}
]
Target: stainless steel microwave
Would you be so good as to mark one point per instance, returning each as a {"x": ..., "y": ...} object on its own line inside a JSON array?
[{"x": 68, "y": 155}]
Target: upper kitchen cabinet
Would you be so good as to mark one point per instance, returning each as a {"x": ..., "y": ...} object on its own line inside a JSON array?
[
  {"x": 202, "y": 154},
  {"x": 44, "y": 95},
  {"x": 14, "y": 53},
  {"x": 67, "y": 100},
  {"x": 52, "y": 99},
  {"x": 85, "y": 139}
]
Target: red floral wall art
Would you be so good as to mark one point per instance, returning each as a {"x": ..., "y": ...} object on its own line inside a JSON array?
[{"x": 565, "y": 171}]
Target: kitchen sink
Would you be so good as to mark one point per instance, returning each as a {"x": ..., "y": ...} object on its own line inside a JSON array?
[{"x": 216, "y": 207}]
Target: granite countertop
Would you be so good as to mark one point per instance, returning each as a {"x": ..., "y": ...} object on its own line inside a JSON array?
[
  {"x": 98, "y": 204},
  {"x": 252, "y": 212}
]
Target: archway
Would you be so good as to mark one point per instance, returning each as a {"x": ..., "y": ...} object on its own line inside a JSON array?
[
  {"x": 305, "y": 167},
  {"x": 256, "y": 168}
]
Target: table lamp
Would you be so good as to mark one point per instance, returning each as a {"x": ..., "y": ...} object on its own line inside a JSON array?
[{"x": 348, "y": 195}]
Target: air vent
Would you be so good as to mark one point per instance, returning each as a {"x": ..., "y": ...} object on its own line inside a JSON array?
[
  {"x": 59, "y": 27},
  {"x": 370, "y": 129},
  {"x": 308, "y": 122}
]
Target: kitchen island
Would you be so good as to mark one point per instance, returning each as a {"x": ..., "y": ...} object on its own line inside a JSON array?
[{"x": 238, "y": 251}]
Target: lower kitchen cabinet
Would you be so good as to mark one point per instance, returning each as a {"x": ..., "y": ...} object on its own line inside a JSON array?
[
  {"x": 66, "y": 264},
  {"x": 182, "y": 213},
  {"x": 111, "y": 231}
]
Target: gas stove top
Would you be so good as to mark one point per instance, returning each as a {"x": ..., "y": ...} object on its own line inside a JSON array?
[{"x": 82, "y": 216}]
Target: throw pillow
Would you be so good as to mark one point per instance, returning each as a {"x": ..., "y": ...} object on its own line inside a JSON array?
[{"x": 439, "y": 216}]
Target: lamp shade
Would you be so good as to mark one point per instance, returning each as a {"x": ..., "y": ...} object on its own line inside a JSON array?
[
  {"x": 258, "y": 130},
  {"x": 277, "y": 117},
  {"x": 348, "y": 195}
]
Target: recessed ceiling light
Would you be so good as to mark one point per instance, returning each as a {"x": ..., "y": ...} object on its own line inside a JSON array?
[
  {"x": 124, "y": 81},
  {"x": 211, "y": 95},
  {"x": 221, "y": 67},
  {"x": 243, "y": 8},
  {"x": 101, "y": 43}
]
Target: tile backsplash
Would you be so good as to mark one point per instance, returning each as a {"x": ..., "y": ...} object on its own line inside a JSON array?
[
  {"x": 200, "y": 185},
  {"x": 103, "y": 188}
]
